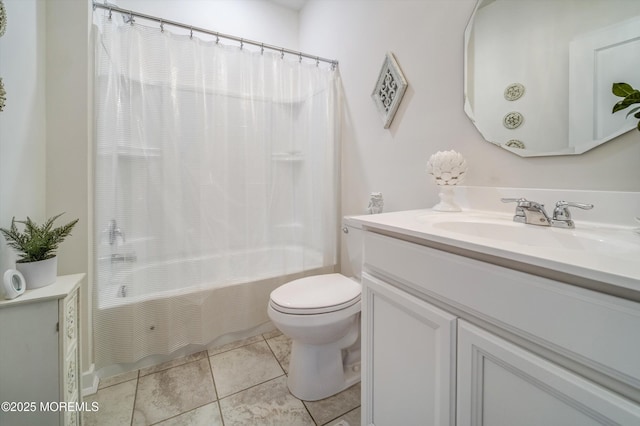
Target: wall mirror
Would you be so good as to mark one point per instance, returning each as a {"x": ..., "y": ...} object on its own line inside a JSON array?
[{"x": 538, "y": 73}]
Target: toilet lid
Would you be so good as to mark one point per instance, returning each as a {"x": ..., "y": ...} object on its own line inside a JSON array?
[{"x": 316, "y": 294}]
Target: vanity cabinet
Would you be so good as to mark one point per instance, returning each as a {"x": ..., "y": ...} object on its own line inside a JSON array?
[
  {"x": 519, "y": 348},
  {"x": 39, "y": 355},
  {"x": 410, "y": 363}
]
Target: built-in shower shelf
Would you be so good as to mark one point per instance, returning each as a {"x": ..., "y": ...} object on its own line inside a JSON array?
[
  {"x": 138, "y": 151},
  {"x": 132, "y": 152},
  {"x": 288, "y": 157}
]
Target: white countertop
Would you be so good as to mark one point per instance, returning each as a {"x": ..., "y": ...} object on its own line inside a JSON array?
[
  {"x": 610, "y": 268},
  {"x": 60, "y": 289}
]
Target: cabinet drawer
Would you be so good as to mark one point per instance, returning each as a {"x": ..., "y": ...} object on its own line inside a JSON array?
[{"x": 594, "y": 329}]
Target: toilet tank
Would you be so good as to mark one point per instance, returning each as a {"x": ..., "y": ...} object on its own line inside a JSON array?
[{"x": 352, "y": 232}]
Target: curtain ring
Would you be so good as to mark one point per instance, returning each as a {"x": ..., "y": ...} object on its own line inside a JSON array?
[
  {"x": 131, "y": 18},
  {"x": 110, "y": 12},
  {"x": 217, "y": 38},
  {"x": 299, "y": 57},
  {"x": 262, "y": 49},
  {"x": 191, "y": 33},
  {"x": 241, "y": 43},
  {"x": 161, "y": 26},
  {"x": 317, "y": 61},
  {"x": 281, "y": 53}
]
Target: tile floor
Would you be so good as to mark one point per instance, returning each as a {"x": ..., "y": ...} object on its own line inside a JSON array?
[{"x": 242, "y": 383}]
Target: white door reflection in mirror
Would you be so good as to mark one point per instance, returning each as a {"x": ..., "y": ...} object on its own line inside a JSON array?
[{"x": 528, "y": 43}]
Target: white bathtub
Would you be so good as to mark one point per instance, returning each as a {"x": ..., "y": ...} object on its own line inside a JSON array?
[{"x": 217, "y": 297}]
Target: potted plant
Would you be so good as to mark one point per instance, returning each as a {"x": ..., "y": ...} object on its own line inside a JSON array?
[
  {"x": 630, "y": 96},
  {"x": 37, "y": 247}
]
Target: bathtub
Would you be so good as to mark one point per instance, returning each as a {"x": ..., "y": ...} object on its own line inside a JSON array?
[{"x": 218, "y": 295}]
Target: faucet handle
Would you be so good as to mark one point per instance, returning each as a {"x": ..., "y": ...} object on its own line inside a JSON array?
[
  {"x": 114, "y": 231},
  {"x": 561, "y": 212},
  {"x": 583, "y": 206},
  {"x": 522, "y": 202},
  {"x": 562, "y": 215}
]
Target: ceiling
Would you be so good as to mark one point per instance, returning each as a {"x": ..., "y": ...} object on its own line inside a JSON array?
[{"x": 291, "y": 4}]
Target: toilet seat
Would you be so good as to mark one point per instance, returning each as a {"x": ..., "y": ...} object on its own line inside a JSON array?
[{"x": 316, "y": 295}]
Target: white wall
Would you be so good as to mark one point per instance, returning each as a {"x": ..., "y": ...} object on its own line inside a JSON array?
[
  {"x": 68, "y": 121},
  {"x": 257, "y": 20},
  {"x": 426, "y": 37},
  {"x": 68, "y": 140},
  {"x": 22, "y": 123}
]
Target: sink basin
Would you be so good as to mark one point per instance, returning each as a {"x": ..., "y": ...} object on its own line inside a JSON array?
[{"x": 503, "y": 230}]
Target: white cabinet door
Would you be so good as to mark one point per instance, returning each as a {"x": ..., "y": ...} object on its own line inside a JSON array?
[
  {"x": 39, "y": 359},
  {"x": 408, "y": 359},
  {"x": 500, "y": 383},
  {"x": 29, "y": 362}
]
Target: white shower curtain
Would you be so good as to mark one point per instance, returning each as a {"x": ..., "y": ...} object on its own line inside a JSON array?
[{"x": 208, "y": 151}]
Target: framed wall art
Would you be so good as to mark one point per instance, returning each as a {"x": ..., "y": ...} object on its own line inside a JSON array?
[{"x": 389, "y": 89}]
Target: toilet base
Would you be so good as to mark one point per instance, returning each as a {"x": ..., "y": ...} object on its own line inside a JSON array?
[
  {"x": 318, "y": 372},
  {"x": 324, "y": 376}
]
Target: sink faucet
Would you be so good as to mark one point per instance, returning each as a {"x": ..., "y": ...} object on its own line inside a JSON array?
[{"x": 533, "y": 213}]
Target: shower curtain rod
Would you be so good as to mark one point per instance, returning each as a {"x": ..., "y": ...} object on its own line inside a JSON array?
[{"x": 131, "y": 15}]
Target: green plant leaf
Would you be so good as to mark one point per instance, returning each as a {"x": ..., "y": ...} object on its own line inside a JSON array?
[
  {"x": 634, "y": 110},
  {"x": 622, "y": 89},
  {"x": 633, "y": 98},
  {"x": 36, "y": 242}
]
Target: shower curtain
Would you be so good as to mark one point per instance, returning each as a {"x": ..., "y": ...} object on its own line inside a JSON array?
[{"x": 205, "y": 150}]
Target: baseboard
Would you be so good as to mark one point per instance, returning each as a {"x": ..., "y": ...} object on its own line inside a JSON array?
[{"x": 90, "y": 381}]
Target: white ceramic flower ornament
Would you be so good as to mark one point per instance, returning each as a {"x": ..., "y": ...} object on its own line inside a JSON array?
[{"x": 448, "y": 168}]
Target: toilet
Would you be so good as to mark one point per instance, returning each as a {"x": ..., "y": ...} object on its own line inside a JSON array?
[{"x": 321, "y": 316}]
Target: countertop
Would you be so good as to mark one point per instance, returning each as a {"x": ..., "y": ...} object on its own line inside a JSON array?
[{"x": 610, "y": 269}]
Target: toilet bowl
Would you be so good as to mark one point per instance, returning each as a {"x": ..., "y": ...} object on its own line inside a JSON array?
[{"x": 321, "y": 316}]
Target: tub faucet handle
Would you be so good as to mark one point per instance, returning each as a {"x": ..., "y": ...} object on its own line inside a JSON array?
[{"x": 114, "y": 232}]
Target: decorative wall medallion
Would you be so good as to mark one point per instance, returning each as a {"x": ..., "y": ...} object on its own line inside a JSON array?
[
  {"x": 514, "y": 91},
  {"x": 513, "y": 120},
  {"x": 3, "y": 95},
  {"x": 389, "y": 89},
  {"x": 515, "y": 143},
  {"x": 3, "y": 19}
]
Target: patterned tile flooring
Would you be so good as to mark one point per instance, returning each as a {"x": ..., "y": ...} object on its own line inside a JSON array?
[{"x": 242, "y": 383}]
